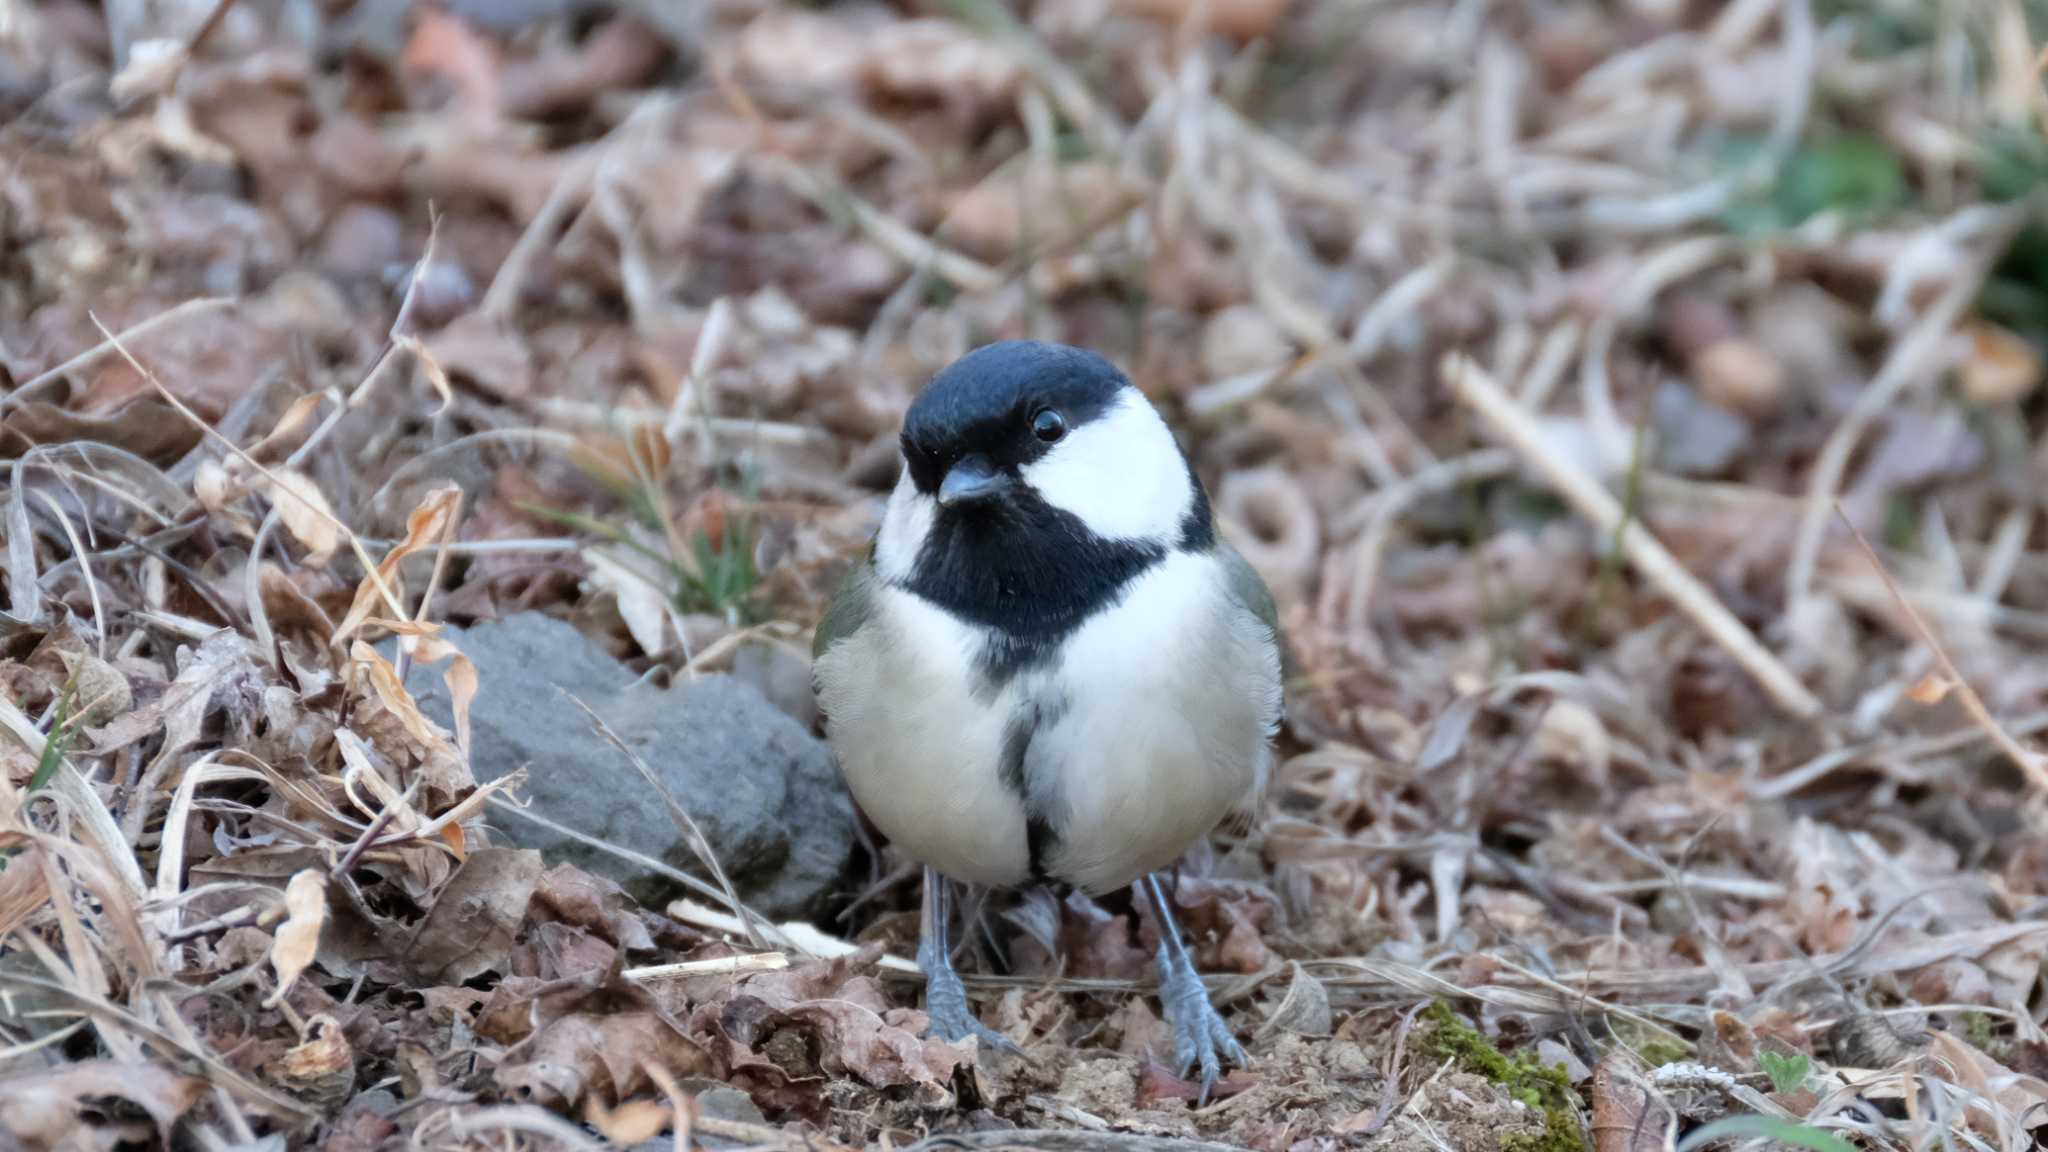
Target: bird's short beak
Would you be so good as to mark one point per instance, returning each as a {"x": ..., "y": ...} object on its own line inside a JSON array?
[{"x": 972, "y": 481}]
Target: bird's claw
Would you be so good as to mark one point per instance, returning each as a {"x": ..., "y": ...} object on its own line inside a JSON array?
[
  {"x": 1200, "y": 1037},
  {"x": 952, "y": 1020}
]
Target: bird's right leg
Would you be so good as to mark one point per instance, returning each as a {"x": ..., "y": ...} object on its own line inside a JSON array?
[{"x": 945, "y": 998}]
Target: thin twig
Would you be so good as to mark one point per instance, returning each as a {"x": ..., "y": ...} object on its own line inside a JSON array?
[
  {"x": 1514, "y": 426},
  {"x": 2029, "y": 763}
]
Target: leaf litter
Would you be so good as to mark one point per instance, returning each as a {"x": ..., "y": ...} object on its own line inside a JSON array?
[{"x": 1629, "y": 798}]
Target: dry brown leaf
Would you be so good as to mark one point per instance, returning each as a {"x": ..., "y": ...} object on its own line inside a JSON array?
[
  {"x": 321, "y": 1069},
  {"x": 2023, "y": 1097},
  {"x": 630, "y": 1123},
  {"x": 23, "y": 890},
  {"x": 55, "y": 1109},
  {"x": 298, "y": 938},
  {"x": 437, "y": 376},
  {"x": 582, "y": 1055},
  {"x": 443, "y": 45},
  {"x": 1048, "y": 209},
  {"x": 473, "y": 923},
  {"x": 306, "y": 514},
  {"x": 1238, "y": 19},
  {"x": 146, "y": 426},
  {"x": 1930, "y": 689},
  {"x": 295, "y": 419},
  {"x": 1622, "y": 1118},
  {"x": 461, "y": 679},
  {"x": 2000, "y": 367},
  {"x": 427, "y": 522},
  {"x": 391, "y": 693},
  {"x": 641, "y": 604}
]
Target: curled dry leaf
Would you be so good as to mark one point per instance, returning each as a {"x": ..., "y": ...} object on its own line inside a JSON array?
[
  {"x": 1623, "y": 1120},
  {"x": 56, "y": 1109},
  {"x": 1047, "y": 208},
  {"x": 1999, "y": 367},
  {"x": 632, "y": 1122},
  {"x": 436, "y": 512},
  {"x": 23, "y": 890},
  {"x": 306, "y": 514},
  {"x": 296, "y": 418},
  {"x": 383, "y": 680},
  {"x": 641, "y": 604},
  {"x": 2022, "y": 1097},
  {"x": 584, "y": 1055},
  {"x": 474, "y": 922},
  {"x": 146, "y": 426},
  {"x": 298, "y": 938},
  {"x": 1238, "y": 19},
  {"x": 322, "y": 1069}
]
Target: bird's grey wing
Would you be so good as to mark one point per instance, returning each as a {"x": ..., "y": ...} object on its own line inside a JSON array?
[
  {"x": 850, "y": 607},
  {"x": 1247, "y": 587},
  {"x": 1249, "y": 591}
]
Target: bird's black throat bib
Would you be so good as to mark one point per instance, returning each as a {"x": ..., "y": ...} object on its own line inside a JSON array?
[{"x": 1029, "y": 572}]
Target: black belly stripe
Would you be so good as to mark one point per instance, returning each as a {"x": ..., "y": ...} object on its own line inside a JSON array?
[{"x": 1041, "y": 833}]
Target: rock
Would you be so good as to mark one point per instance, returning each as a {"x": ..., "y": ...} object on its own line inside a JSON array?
[
  {"x": 1696, "y": 437},
  {"x": 766, "y": 792}
]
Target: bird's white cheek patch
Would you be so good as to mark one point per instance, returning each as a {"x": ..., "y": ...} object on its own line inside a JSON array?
[
  {"x": 905, "y": 524},
  {"x": 1121, "y": 474}
]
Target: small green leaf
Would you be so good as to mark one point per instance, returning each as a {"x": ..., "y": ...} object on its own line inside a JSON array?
[
  {"x": 60, "y": 736},
  {"x": 1797, "y": 1135},
  {"x": 1852, "y": 175},
  {"x": 1787, "y": 1071}
]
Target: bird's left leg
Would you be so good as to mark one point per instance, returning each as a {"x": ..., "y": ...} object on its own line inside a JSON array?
[
  {"x": 1200, "y": 1037},
  {"x": 945, "y": 997}
]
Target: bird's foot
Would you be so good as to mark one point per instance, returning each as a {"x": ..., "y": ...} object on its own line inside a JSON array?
[
  {"x": 946, "y": 1003},
  {"x": 1200, "y": 1037}
]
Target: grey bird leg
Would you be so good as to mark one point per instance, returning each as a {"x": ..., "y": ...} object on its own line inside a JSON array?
[
  {"x": 1200, "y": 1037},
  {"x": 945, "y": 998}
]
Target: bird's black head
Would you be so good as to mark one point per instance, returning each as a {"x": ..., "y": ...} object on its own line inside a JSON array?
[
  {"x": 990, "y": 413},
  {"x": 1038, "y": 483}
]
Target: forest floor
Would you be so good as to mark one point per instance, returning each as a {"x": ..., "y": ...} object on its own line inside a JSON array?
[{"x": 1630, "y": 402}]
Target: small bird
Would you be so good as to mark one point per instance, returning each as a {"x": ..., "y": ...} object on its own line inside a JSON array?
[{"x": 1049, "y": 668}]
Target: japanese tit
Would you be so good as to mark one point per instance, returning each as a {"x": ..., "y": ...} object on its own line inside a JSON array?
[{"x": 1049, "y": 667}]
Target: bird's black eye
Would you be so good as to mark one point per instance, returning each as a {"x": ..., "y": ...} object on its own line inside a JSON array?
[{"x": 1048, "y": 426}]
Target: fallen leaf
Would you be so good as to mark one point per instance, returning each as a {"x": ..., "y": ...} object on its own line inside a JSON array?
[
  {"x": 1620, "y": 1111},
  {"x": 471, "y": 928},
  {"x": 1237, "y": 19},
  {"x": 306, "y": 514},
  {"x": 56, "y": 1109},
  {"x": 322, "y": 1069},
  {"x": 487, "y": 352},
  {"x": 1930, "y": 689},
  {"x": 2000, "y": 367},
  {"x": 622, "y": 53},
  {"x": 426, "y": 522},
  {"x": 391, "y": 693},
  {"x": 584, "y": 1055},
  {"x": 1157, "y": 1085},
  {"x": 298, "y": 938},
  {"x": 641, "y": 604},
  {"x": 145, "y": 426},
  {"x": 630, "y": 1123}
]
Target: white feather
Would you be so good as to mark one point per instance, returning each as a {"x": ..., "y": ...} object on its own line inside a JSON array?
[
  {"x": 906, "y": 521},
  {"x": 1174, "y": 695},
  {"x": 1120, "y": 473},
  {"x": 920, "y": 750}
]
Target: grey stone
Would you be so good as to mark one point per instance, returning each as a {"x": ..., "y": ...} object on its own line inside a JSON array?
[
  {"x": 1696, "y": 438},
  {"x": 765, "y": 791}
]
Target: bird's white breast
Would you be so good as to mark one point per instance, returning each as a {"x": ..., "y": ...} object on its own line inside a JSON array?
[
  {"x": 918, "y": 745},
  {"x": 1172, "y": 695},
  {"x": 1154, "y": 721}
]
